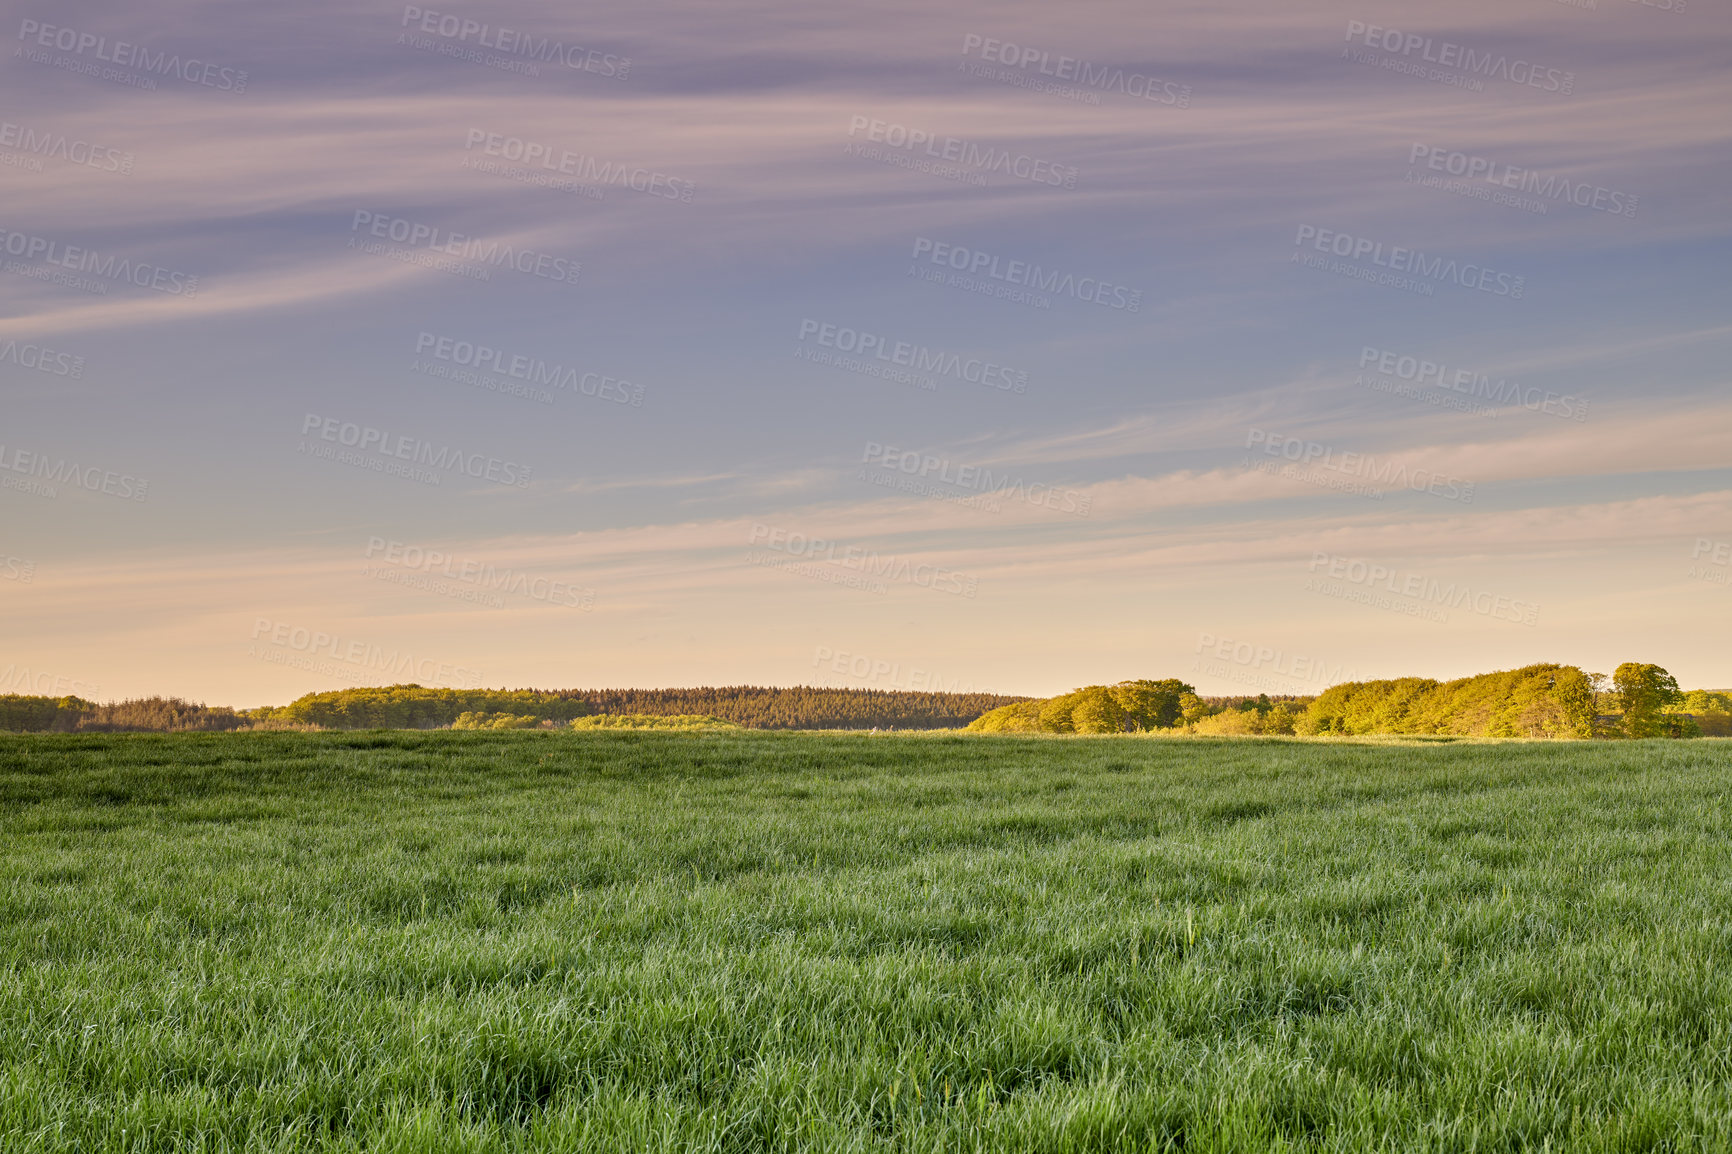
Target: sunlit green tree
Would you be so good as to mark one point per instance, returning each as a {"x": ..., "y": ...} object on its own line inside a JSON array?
[
  {"x": 1643, "y": 692},
  {"x": 1151, "y": 704}
]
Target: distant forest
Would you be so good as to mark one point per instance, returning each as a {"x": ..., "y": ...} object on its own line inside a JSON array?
[
  {"x": 1544, "y": 700},
  {"x": 417, "y": 707},
  {"x": 24, "y": 714},
  {"x": 806, "y": 707}
]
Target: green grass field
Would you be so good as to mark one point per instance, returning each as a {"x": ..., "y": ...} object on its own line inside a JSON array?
[{"x": 776, "y": 941}]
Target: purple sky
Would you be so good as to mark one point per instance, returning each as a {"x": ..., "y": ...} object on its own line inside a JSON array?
[{"x": 977, "y": 346}]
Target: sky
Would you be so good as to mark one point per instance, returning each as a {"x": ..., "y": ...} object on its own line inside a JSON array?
[{"x": 980, "y": 346}]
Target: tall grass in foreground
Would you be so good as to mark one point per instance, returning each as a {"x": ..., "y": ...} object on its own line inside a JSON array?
[{"x": 621, "y": 941}]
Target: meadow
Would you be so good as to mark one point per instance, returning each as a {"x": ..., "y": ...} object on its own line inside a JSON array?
[{"x": 763, "y": 941}]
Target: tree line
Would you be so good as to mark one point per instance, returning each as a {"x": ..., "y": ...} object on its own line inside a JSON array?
[
  {"x": 752, "y": 706},
  {"x": 21, "y": 713},
  {"x": 419, "y": 707},
  {"x": 1638, "y": 700},
  {"x": 1543, "y": 700},
  {"x": 805, "y": 706}
]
